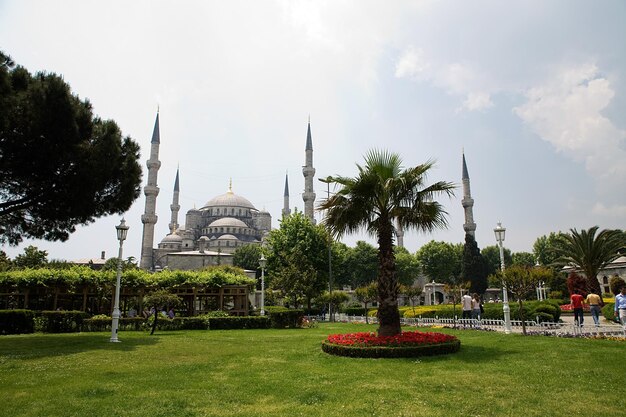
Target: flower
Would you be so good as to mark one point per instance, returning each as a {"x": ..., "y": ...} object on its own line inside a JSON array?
[{"x": 370, "y": 339}]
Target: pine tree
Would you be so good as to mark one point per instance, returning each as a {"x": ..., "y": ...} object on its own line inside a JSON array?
[{"x": 473, "y": 268}]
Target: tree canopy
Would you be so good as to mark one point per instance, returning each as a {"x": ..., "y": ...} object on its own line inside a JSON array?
[
  {"x": 590, "y": 252},
  {"x": 382, "y": 195},
  {"x": 440, "y": 261},
  {"x": 60, "y": 166},
  {"x": 473, "y": 266}
]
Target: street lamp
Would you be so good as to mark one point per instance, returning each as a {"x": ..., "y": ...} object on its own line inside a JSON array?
[
  {"x": 499, "y": 231},
  {"x": 262, "y": 263},
  {"x": 328, "y": 180},
  {"x": 122, "y": 231}
]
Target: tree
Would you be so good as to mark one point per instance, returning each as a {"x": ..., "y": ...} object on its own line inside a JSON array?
[
  {"x": 366, "y": 295},
  {"x": 247, "y": 257},
  {"x": 590, "y": 253},
  {"x": 492, "y": 258},
  {"x": 407, "y": 267},
  {"x": 616, "y": 283},
  {"x": 160, "y": 299},
  {"x": 298, "y": 279},
  {"x": 5, "y": 261},
  {"x": 412, "y": 293},
  {"x": 31, "y": 258},
  {"x": 522, "y": 281},
  {"x": 361, "y": 263},
  {"x": 335, "y": 299},
  {"x": 455, "y": 292},
  {"x": 128, "y": 264},
  {"x": 382, "y": 195},
  {"x": 473, "y": 266},
  {"x": 60, "y": 166},
  {"x": 544, "y": 249},
  {"x": 341, "y": 271},
  {"x": 523, "y": 259},
  {"x": 440, "y": 261},
  {"x": 577, "y": 284},
  {"x": 298, "y": 244}
]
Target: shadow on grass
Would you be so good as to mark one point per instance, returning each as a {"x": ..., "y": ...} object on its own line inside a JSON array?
[{"x": 48, "y": 345}]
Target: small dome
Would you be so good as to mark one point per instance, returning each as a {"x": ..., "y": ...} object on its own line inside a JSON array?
[
  {"x": 172, "y": 238},
  {"x": 227, "y": 237},
  {"x": 228, "y": 222}
]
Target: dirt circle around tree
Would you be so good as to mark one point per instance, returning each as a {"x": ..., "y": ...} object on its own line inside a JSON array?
[{"x": 404, "y": 345}]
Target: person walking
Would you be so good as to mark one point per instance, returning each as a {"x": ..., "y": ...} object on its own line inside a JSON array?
[
  {"x": 620, "y": 306},
  {"x": 595, "y": 303},
  {"x": 476, "y": 307},
  {"x": 577, "y": 303},
  {"x": 466, "y": 305}
]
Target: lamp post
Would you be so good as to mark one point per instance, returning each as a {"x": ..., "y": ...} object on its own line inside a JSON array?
[
  {"x": 328, "y": 180},
  {"x": 262, "y": 263},
  {"x": 499, "y": 231},
  {"x": 122, "y": 231}
]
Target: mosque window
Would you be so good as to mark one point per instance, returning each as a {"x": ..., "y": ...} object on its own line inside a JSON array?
[
  {"x": 217, "y": 212},
  {"x": 232, "y": 211},
  {"x": 240, "y": 212},
  {"x": 605, "y": 280},
  {"x": 221, "y": 230}
]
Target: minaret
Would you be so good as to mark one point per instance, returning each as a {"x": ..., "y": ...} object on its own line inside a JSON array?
[
  {"x": 175, "y": 206},
  {"x": 400, "y": 235},
  {"x": 308, "y": 195},
  {"x": 467, "y": 202},
  {"x": 286, "y": 210},
  {"x": 149, "y": 218}
]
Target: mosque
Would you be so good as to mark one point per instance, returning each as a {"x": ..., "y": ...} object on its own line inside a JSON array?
[{"x": 213, "y": 232}]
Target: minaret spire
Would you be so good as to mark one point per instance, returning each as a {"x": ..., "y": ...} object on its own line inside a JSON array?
[
  {"x": 308, "y": 171},
  {"x": 149, "y": 218},
  {"x": 286, "y": 210},
  {"x": 175, "y": 207},
  {"x": 468, "y": 201}
]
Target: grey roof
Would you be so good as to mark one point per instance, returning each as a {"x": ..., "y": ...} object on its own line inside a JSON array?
[
  {"x": 286, "y": 186},
  {"x": 156, "y": 137},
  {"x": 229, "y": 199},
  {"x": 465, "y": 173},
  {"x": 309, "y": 142},
  {"x": 176, "y": 185},
  {"x": 228, "y": 221}
]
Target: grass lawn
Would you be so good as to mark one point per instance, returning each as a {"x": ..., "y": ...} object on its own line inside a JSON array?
[{"x": 285, "y": 373}]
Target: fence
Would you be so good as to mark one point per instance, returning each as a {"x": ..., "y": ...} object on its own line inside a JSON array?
[{"x": 532, "y": 326}]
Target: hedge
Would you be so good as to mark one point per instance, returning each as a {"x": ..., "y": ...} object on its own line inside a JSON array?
[
  {"x": 230, "y": 323},
  {"x": 282, "y": 317},
  {"x": 391, "y": 352},
  {"x": 17, "y": 321},
  {"x": 60, "y": 321},
  {"x": 102, "y": 324}
]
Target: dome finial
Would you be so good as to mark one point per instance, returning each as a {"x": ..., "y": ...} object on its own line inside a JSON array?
[{"x": 230, "y": 185}]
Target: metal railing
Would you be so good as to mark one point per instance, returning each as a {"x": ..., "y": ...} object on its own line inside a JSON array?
[{"x": 532, "y": 326}]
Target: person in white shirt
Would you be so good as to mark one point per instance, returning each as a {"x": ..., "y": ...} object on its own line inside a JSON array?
[{"x": 466, "y": 305}]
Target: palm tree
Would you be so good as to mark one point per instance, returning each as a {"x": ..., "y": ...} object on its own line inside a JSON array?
[
  {"x": 589, "y": 252},
  {"x": 382, "y": 195}
]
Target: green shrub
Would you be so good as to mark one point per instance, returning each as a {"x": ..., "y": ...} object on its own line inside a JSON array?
[
  {"x": 608, "y": 311},
  {"x": 547, "y": 308},
  {"x": 235, "y": 322},
  {"x": 16, "y": 321},
  {"x": 282, "y": 317},
  {"x": 100, "y": 324},
  {"x": 355, "y": 311},
  {"x": 391, "y": 352},
  {"x": 60, "y": 321},
  {"x": 544, "y": 317}
]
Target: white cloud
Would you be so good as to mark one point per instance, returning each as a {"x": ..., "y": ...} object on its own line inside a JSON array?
[
  {"x": 412, "y": 64},
  {"x": 477, "y": 101},
  {"x": 457, "y": 79},
  {"x": 567, "y": 110},
  {"x": 618, "y": 211}
]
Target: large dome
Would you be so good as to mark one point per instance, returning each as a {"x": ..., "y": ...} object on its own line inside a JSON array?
[
  {"x": 228, "y": 222},
  {"x": 229, "y": 199}
]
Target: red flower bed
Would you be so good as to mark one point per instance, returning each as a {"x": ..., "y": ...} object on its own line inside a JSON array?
[
  {"x": 365, "y": 339},
  {"x": 405, "y": 344}
]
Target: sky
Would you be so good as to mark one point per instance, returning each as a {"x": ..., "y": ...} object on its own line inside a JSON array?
[{"x": 533, "y": 93}]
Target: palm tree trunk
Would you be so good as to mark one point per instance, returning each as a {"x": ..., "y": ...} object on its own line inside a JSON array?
[{"x": 388, "y": 314}]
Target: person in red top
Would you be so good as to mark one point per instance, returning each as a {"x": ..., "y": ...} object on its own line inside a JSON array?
[{"x": 577, "y": 303}]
